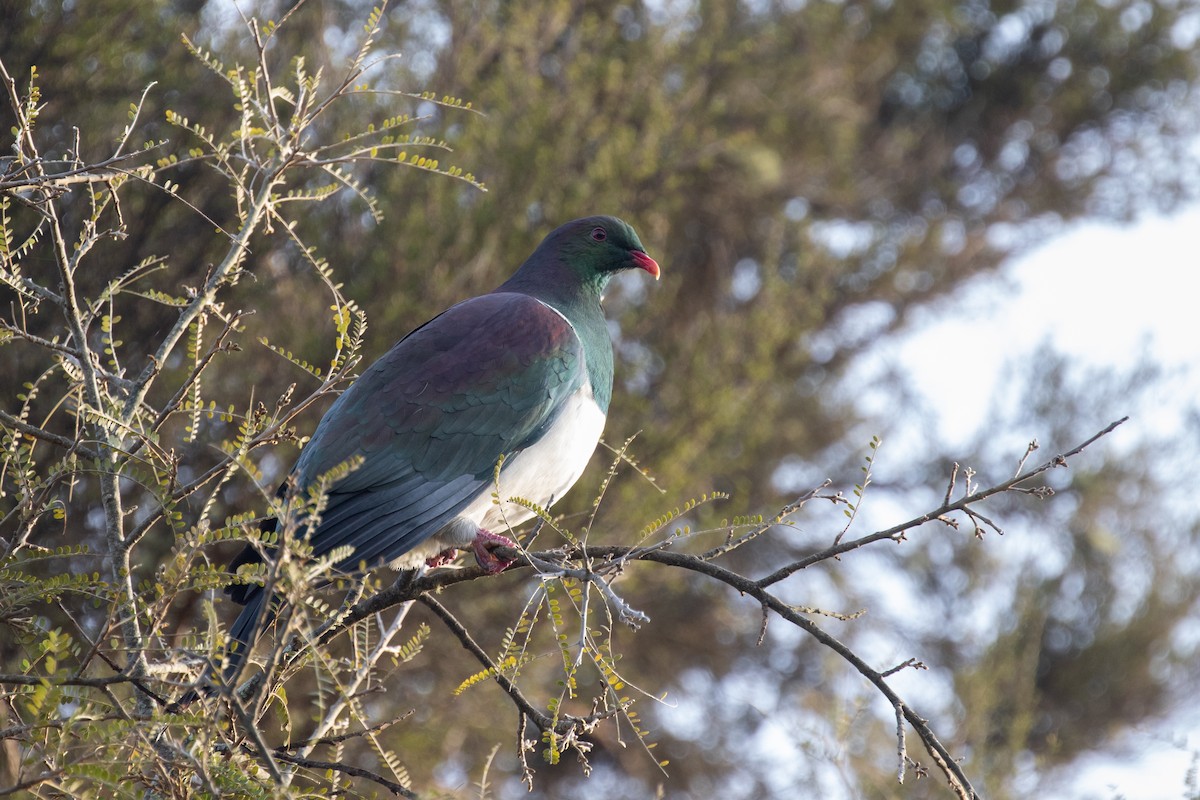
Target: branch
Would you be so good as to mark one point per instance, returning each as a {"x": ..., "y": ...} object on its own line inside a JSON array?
[
  {"x": 357, "y": 772},
  {"x": 362, "y": 673},
  {"x": 421, "y": 588},
  {"x": 755, "y": 589},
  {"x": 207, "y": 295},
  {"x": 9, "y": 421},
  {"x": 266, "y": 756},
  {"x": 21, "y": 679},
  {"x": 343, "y": 737},
  {"x": 784, "y": 513},
  {"x": 587, "y": 574},
  {"x": 29, "y": 784},
  {"x": 268, "y": 435},
  {"x": 172, "y": 405},
  {"x": 99, "y": 172},
  {"x": 897, "y": 531},
  {"x": 464, "y": 636}
]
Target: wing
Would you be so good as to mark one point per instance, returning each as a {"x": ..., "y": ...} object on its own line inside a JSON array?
[{"x": 432, "y": 417}]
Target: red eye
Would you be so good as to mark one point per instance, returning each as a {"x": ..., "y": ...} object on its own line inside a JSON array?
[{"x": 599, "y": 234}]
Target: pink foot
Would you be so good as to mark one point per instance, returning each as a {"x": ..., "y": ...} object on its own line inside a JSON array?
[
  {"x": 441, "y": 559},
  {"x": 482, "y": 547}
]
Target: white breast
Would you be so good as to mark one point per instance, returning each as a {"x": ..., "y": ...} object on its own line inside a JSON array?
[
  {"x": 544, "y": 471},
  {"x": 541, "y": 473}
]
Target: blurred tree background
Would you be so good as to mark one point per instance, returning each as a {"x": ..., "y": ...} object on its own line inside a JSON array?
[{"x": 807, "y": 174}]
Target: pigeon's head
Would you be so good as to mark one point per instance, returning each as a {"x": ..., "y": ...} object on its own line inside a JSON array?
[
  {"x": 595, "y": 248},
  {"x": 574, "y": 262}
]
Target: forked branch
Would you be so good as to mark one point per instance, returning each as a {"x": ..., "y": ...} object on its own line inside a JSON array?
[{"x": 572, "y": 561}]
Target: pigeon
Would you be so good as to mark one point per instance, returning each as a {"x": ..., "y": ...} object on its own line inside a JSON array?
[{"x": 517, "y": 380}]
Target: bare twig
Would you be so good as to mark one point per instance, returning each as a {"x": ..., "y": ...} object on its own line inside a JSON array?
[
  {"x": 901, "y": 747},
  {"x": 348, "y": 769},
  {"x": 625, "y": 612},
  {"x": 1033, "y": 445},
  {"x": 950, "y": 487},
  {"x": 9, "y": 421},
  {"x": 779, "y": 519},
  {"x": 343, "y": 737},
  {"x": 464, "y": 637},
  {"x": 757, "y": 589},
  {"x": 266, "y": 756},
  {"x": 32, "y": 782},
  {"x": 946, "y": 508},
  {"x": 96, "y": 172}
]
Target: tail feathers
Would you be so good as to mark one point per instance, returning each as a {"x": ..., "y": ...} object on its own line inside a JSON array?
[
  {"x": 255, "y": 617},
  {"x": 241, "y": 641}
]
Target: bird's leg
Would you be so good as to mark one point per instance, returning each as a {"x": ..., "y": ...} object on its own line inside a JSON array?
[
  {"x": 442, "y": 559},
  {"x": 484, "y": 542}
]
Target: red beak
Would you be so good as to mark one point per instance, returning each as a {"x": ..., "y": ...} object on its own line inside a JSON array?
[{"x": 645, "y": 262}]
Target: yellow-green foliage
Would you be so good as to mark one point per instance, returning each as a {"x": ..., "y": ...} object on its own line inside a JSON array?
[{"x": 141, "y": 441}]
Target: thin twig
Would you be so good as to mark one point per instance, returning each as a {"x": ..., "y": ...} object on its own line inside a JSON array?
[
  {"x": 464, "y": 637},
  {"x": 357, "y": 772},
  {"x": 29, "y": 784},
  {"x": 1033, "y": 445},
  {"x": 343, "y": 737},
  {"x": 947, "y": 508},
  {"x": 778, "y": 519},
  {"x": 265, "y": 755},
  {"x": 9, "y": 421},
  {"x": 415, "y": 587},
  {"x": 950, "y": 487}
]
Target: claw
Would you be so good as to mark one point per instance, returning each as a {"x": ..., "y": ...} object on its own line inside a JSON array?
[{"x": 484, "y": 542}]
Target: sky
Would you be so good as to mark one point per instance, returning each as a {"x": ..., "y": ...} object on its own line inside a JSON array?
[{"x": 1104, "y": 295}]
